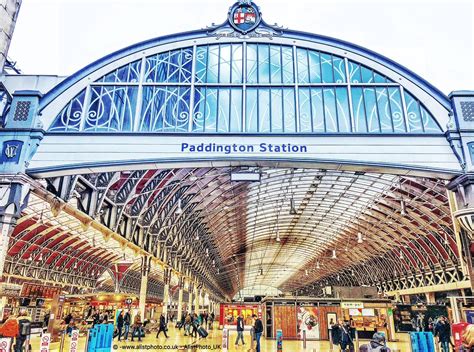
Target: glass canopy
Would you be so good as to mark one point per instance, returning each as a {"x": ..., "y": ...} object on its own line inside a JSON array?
[{"x": 245, "y": 88}]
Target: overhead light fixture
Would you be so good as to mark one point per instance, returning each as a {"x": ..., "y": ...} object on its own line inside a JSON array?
[
  {"x": 207, "y": 252},
  {"x": 245, "y": 176},
  {"x": 334, "y": 254},
  {"x": 446, "y": 242},
  {"x": 179, "y": 210},
  {"x": 317, "y": 265},
  {"x": 75, "y": 265},
  {"x": 403, "y": 208},
  {"x": 360, "y": 238},
  {"x": 40, "y": 258},
  {"x": 197, "y": 235},
  {"x": 292, "y": 207},
  {"x": 218, "y": 271},
  {"x": 278, "y": 239},
  {"x": 352, "y": 273},
  {"x": 30, "y": 258},
  {"x": 401, "y": 255},
  {"x": 213, "y": 262},
  {"x": 338, "y": 277},
  {"x": 306, "y": 272},
  {"x": 260, "y": 272}
]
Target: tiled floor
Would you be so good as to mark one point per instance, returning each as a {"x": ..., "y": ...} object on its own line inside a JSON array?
[{"x": 213, "y": 343}]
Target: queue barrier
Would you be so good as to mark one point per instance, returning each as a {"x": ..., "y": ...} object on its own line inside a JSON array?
[
  {"x": 100, "y": 338},
  {"x": 422, "y": 342}
]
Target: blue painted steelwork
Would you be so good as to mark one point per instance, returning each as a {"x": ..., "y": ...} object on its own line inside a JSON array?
[{"x": 288, "y": 90}]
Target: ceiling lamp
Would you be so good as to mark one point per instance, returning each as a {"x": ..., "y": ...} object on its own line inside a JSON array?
[
  {"x": 207, "y": 252},
  {"x": 179, "y": 210},
  {"x": 40, "y": 258},
  {"x": 401, "y": 255},
  {"x": 317, "y": 265},
  {"x": 218, "y": 271},
  {"x": 306, "y": 272},
  {"x": 197, "y": 236},
  {"x": 403, "y": 208},
  {"x": 30, "y": 258},
  {"x": 75, "y": 265},
  {"x": 334, "y": 254},
  {"x": 292, "y": 207},
  {"x": 260, "y": 272},
  {"x": 278, "y": 239},
  {"x": 360, "y": 238}
]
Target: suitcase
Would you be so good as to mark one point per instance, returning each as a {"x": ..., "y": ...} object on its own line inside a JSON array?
[{"x": 202, "y": 332}]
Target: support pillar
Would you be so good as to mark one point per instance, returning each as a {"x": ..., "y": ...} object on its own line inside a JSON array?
[
  {"x": 145, "y": 270},
  {"x": 166, "y": 292},
  {"x": 190, "y": 298},
  {"x": 14, "y": 198},
  {"x": 430, "y": 298},
  {"x": 180, "y": 299},
  {"x": 197, "y": 300}
]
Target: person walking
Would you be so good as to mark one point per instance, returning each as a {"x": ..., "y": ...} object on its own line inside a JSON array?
[
  {"x": 195, "y": 325},
  {"x": 137, "y": 326},
  {"x": 120, "y": 325},
  {"x": 9, "y": 329},
  {"x": 126, "y": 323},
  {"x": 258, "y": 328},
  {"x": 163, "y": 326},
  {"x": 341, "y": 336},
  {"x": 240, "y": 330},
  {"x": 443, "y": 332},
  {"x": 24, "y": 331},
  {"x": 187, "y": 325}
]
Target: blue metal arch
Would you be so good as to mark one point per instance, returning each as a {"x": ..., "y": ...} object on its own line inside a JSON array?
[{"x": 288, "y": 34}]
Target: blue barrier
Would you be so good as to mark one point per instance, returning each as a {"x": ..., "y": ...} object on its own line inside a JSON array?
[
  {"x": 422, "y": 342},
  {"x": 100, "y": 338}
]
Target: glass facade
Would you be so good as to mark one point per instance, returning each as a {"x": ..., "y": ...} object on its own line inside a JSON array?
[{"x": 245, "y": 88}]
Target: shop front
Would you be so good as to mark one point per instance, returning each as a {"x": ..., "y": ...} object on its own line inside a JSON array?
[{"x": 229, "y": 312}]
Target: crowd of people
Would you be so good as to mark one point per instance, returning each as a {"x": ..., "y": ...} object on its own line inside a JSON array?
[{"x": 18, "y": 330}]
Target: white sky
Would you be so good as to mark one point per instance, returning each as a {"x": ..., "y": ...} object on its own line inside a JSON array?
[{"x": 434, "y": 38}]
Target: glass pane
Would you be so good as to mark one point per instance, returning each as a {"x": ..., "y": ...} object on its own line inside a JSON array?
[
  {"x": 367, "y": 75},
  {"x": 305, "y": 110},
  {"x": 359, "y": 110},
  {"x": 236, "y": 110},
  {"x": 263, "y": 64},
  {"x": 330, "y": 113},
  {"x": 174, "y": 66},
  {"x": 314, "y": 66},
  {"x": 213, "y": 64},
  {"x": 264, "y": 110},
  {"x": 186, "y": 65},
  {"x": 224, "y": 111},
  {"x": 317, "y": 109},
  {"x": 199, "y": 109},
  {"x": 170, "y": 105},
  {"x": 303, "y": 73},
  {"x": 378, "y": 78},
  {"x": 339, "y": 69},
  {"x": 128, "y": 73},
  {"x": 429, "y": 122},
  {"x": 111, "y": 108},
  {"x": 384, "y": 111},
  {"x": 236, "y": 63},
  {"x": 251, "y": 112},
  {"x": 211, "y": 110},
  {"x": 201, "y": 63},
  {"x": 277, "y": 111},
  {"x": 371, "y": 110},
  {"x": 156, "y": 69},
  {"x": 395, "y": 100},
  {"x": 413, "y": 113},
  {"x": 275, "y": 64},
  {"x": 252, "y": 66},
  {"x": 224, "y": 64},
  {"x": 287, "y": 64},
  {"x": 70, "y": 117},
  {"x": 354, "y": 72},
  {"x": 289, "y": 110},
  {"x": 343, "y": 113},
  {"x": 326, "y": 66}
]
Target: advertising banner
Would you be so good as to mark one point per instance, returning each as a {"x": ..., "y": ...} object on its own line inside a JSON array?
[
  {"x": 74, "y": 346},
  {"x": 308, "y": 322},
  {"x": 45, "y": 342},
  {"x": 5, "y": 345},
  {"x": 225, "y": 340}
]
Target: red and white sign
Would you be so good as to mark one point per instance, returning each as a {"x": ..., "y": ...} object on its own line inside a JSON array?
[
  {"x": 5, "y": 345},
  {"x": 45, "y": 342},
  {"x": 225, "y": 340},
  {"x": 74, "y": 346}
]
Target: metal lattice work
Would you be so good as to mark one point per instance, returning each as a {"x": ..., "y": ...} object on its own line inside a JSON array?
[
  {"x": 244, "y": 88},
  {"x": 294, "y": 230}
]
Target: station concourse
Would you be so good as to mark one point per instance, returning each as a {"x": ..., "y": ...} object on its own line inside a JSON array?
[{"x": 242, "y": 170}]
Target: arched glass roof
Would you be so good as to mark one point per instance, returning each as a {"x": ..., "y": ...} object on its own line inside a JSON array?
[{"x": 245, "y": 87}]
